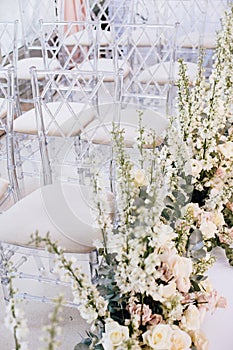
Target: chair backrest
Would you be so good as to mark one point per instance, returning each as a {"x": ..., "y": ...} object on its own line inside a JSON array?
[
  {"x": 150, "y": 51},
  {"x": 30, "y": 14},
  {"x": 8, "y": 43},
  {"x": 8, "y": 109},
  {"x": 215, "y": 11},
  {"x": 69, "y": 42},
  {"x": 69, "y": 102},
  {"x": 191, "y": 15}
]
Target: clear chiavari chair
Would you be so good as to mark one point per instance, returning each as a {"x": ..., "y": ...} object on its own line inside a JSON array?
[
  {"x": 151, "y": 60},
  {"x": 214, "y": 14},
  {"x": 65, "y": 210},
  {"x": 31, "y": 49},
  {"x": 70, "y": 42},
  {"x": 8, "y": 57}
]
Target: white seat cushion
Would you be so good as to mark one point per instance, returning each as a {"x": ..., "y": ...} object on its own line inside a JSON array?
[
  {"x": 140, "y": 37},
  {"x": 85, "y": 38},
  {"x": 65, "y": 210},
  {"x": 3, "y": 187},
  {"x": 105, "y": 65},
  {"x": 192, "y": 40},
  {"x": 158, "y": 73},
  {"x": 65, "y": 120},
  {"x": 24, "y": 65},
  {"x": 100, "y": 133}
]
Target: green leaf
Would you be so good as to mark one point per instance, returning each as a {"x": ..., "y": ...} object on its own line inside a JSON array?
[{"x": 81, "y": 346}]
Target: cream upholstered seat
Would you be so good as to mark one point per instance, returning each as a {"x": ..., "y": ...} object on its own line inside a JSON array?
[
  {"x": 100, "y": 132},
  {"x": 192, "y": 40},
  {"x": 106, "y": 65},
  {"x": 141, "y": 37},
  {"x": 23, "y": 66},
  {"x": 159, "y": 73},
  {"x": 64, "y": 122},
  {"x": 63, "y": 210}
]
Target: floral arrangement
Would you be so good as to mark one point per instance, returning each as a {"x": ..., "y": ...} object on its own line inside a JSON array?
[
  {"x": 172, "y": 206},
  {"x": 206, "y": 125},
  {"x": 148, "y": 294}
]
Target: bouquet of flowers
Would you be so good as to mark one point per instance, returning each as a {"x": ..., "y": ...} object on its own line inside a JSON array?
[
  {"x": 149, "y": 294},
  {"x": 206, "y": 125}
]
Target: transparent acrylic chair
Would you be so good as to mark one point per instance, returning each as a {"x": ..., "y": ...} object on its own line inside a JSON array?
[
  {"x": 69, "y": 42},
  {"x": 151, "y": 61},
  {"x": 191, "y": 16},
  {"x": 65, "y": 210},
  {"x": 8, "y": 58},
  {"x": 214, "y": 14},
  {"x": 31, "y": 50}
]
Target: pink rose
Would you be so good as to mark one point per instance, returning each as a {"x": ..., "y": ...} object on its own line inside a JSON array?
[
  {"x": 229, "y": 206},
  {"x": 220, "y": 172},
  {"x": 143, "y": 311},
  {"x": 155, "y": 319}
]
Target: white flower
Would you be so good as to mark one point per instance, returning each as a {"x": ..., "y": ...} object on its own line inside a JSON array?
[
  {"x": 158, "y": 337},
  {"x": 115, "y": 335},
  {"x": 180, "y": 340},
  {"x": 88, "y": 314},
  {"x": 191, "y": 319},
  {"x": 226, "y": 149},
  {"x": 208, "y": 229},
  {"x": 200, "y": 340},
  {"x": 196, "y": 166},
  {"x": 167, "y": 291}
]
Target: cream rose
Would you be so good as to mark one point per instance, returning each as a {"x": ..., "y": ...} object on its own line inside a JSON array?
[
  {"x": 180, "y": 340},
  {"x": 218, "y": 219},
  {"x": 226, "y": 149},
  {"x": 183, "y": 284},
  {"x": 114, "y": 335},
  {"x": 167, "y": 291},
  {"x": 140, "y": 178},
  {"x": 181, "y": 267},
  {"x": 158, "y": 337},
  {"x": 200, "y": 340},
  {"x": 191, "y": 319}
]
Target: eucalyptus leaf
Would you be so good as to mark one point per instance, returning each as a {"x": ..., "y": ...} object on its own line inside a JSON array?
[
  {"x": 81, "y": 346},
  {"x": 199, "y": 254},
  {"x": 195, "y": 237},
  {"x": 198, "y": 246}
]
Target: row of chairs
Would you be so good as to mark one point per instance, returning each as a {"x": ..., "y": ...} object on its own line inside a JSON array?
[{"x": 99, "y": 76}]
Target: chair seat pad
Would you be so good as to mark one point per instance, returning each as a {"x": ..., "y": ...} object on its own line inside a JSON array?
[
  {"x": 192, "y": 40},
  {"x": 159, "y": 73},
  {"x": 140, "y": 37},
  {"x": 64, "y": 210},
  {"x": 23, "y": 66},
  {"x": 3, "y": 187},
  {"x": 68, "y": 123},
  {"x": 85, "y": 38},
  {"x": 100, "y": 132},
  {"x": 105, "y": 65}
]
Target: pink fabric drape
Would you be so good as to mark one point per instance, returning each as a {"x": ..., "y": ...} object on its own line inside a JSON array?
[{"x": 74, "y": 10}]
